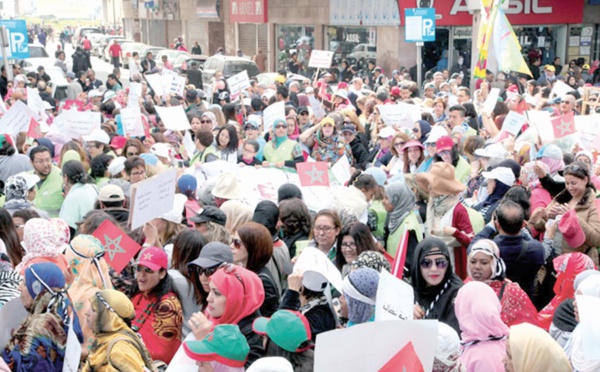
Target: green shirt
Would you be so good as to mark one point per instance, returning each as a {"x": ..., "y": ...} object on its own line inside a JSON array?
[
  {"x": 287, "y": 151},
  {"x": 410, "y": 223},
  {"x": 49, "y": 193}
]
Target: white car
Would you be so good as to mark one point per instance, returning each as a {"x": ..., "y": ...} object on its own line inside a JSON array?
[
  {"x": 38, "y": 56},
  {"x": 269, "y": 78},
  {"x": 171, "y": 54},
  {"x": 362, "y": 52}
]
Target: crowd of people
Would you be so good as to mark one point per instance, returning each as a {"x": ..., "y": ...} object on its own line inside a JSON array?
[{"x": 498, "y": 233}]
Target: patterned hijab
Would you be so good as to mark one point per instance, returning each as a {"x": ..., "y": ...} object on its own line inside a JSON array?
[
  {"x": 373, "y": 260},
  {"x": 39, "y": 242},
  {"x": 360, "y": 290}
]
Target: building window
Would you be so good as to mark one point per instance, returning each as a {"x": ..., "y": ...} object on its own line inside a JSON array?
[
  {"x": 354, "y": 44},
  {"x": 294, "y": 39}
]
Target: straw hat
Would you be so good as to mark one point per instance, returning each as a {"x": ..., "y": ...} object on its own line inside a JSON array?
[{"x": 441, "y": 178}]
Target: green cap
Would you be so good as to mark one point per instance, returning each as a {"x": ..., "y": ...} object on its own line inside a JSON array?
[
  {"x": 287, "y": 329},
  {"x": 225, "y": 344}
]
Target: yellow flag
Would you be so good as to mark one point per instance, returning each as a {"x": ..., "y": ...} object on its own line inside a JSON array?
[
  {"x": 507, "y": 47},
  {"x": 485, "y": 32}
]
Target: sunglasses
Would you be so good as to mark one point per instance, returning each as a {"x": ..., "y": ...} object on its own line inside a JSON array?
[
  {"x": 237, "y": 243},
  {"x": 205, "y": 122},
  {"x": 281, "y": 126},
  {"x": 399, "y": 144},
  {"x": 249, "y": 127},
  {"x": 303, "y": 114},
  {"x": 208, "y": 271},
  {"x": 145, "y": 269},
  {"x": 440, "y": 263},
  {"x": 133, "y": 153},
  {"x": 415, "y": 130}
]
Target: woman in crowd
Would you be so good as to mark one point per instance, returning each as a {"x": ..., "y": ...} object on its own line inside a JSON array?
[
  {"x": 293, "y": 130},
  {"x": 396, "y": 164},
  {"x": 282, "y": 151},
  {"x": 360, "y": 292},
  {"x": 483, "y": 332},
  {"x": 295, "y": 223},
  {"x": 552, "y": 156},
  {"x": 447, "y": 151},
  {"x": 158, "y": 312},
  {"x": 211, "y": 257},
  {"x": 413, "y": 155},
  {"x": 117, "y": 347},
  {"x": 227, "y": 144},
  {"x": 40, "y": 242},
  {"x": 10, "y": 237},
  {"x": 235, "y": 296},
  {"x": 38, "y": 344},
  {"x": 587, "y": 158},
  {"x": 89, "y": 274},
  {"x": 326, "y": 228},
  {"x": 499, "y": 181},
  {"x": 186, "y": 248},
  {"x": 325, "y": 143},
  {"x": 354, "y": 239},
  {"x": 485, "y": 265},
  {"x": 252, "y": 247},
  {"x": 237, "y": 214},
  {"x": 530, "y": 348},
  {"x": 421, "y": 131},
  {"x": 134, "y": 147},
  {"x": 399, "y": 201},
  {"x": 447, "y": 218},
  {"x": 439, "y": 110},
  {"x": 81, "y": 193},
  {"x": 539, "y": 196},
  {"x": 435, "y": 285}
]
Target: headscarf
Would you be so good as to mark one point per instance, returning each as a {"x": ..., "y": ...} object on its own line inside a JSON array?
[
  {"x": 447, "y": 350},
  {"x": 435, "y": 300},
  {"x": 48, "y": 277},
  {"x": 478, "y": 309},
  {"x": 70, "y": 155},
  {"x": 567, "y": 267},
  {"x": 39, "y": 242},
  {"x": 496, "y": 195},
  {"x": 403, "y": 200},
  {"x": 425, "y": 129},
  {"x": 238, "y": 213},
  {"x": 288, "y": 191},
  {"x": 373, "y": 260},
  {"x": 267, "y": 214},
  {"x": 16, "y": 193},
  {"x": 277, "y": 141},
  {"x": 243, "y": 290},
  {"x": 489, "y": 248},
  {"x": 533, "y": 349},
  {"x": 564, "y": 316},
  {"x": 533, "y": 181},
  {"x": 553, "y": 157},
  {"x": 63, "y": 234},
  {"x": 590, "y": 286},
  {"x": 588, "y": 155},
  {"x": 360, "y": 290}
]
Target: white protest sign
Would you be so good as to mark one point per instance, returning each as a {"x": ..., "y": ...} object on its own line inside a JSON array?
[
  {"x": 152, "y": 198},
  {"x": 320, "y": 59},
  {"x": 542, "y": 123},
  {"x": 588, "y": 128},
  {"x": 345, "y": 349},
  {"x": 560, "y": 89},
  {"x": 176, "y": 85},
  {"x": 72, "y": 352},
  {"x": 341, "y": 170},
  {"x": 238, "y": 82},
  {"x": 155, "y": 81},
  {"x": 588, "y": 307},
  {"x": 135, "y": 92},
  {"x": 271, "y": 113},
  {"x": 131, "y": 119},
  {"x": 491, "y": 100},
  {"x": 188, "y": 144},
  {"x": 395, "y": 298},
  {"x": 3, "y": 108},
  {"x": 312, "y": 259},
  {"x": 36, "y": 104},
  {"x": 513, "y": 122},
  {"x": 12, "y": 315},
  {"x": 181, "y": 362},
  {"x": 317, "y": 108},
  {"x": 16, "y": 119},
  {"x": 401, "y": 115},
  {"x": 74, "y": 124},
  {"x": 173, "y": 117}
]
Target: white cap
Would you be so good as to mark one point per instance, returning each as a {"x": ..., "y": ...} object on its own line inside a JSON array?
[
  {"x": 117, "y": 165},
  {"x": 97, "y": 135},
  {"x": 495, "y": 150},
  {"x": 436, "y": 133},
  {"x": 94, "y": 93},
  {"x": 271, "y": 364},
  {"x": 30, "y": 179},
  {"x": 502, "y": 174},
  {"x": 108, "y": 96},
  {"x": 161, "y": 149},
  {"x": 386, "y": 132},
  {"x": 175, "y": 214}
]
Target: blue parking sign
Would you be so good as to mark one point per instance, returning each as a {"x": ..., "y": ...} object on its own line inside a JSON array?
[
  {"x": 419, "y": 24},
  {"x": 18, "y": 38}
]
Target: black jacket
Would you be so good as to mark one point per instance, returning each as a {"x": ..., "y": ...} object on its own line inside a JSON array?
[
  {"x": 271, "y": 302},
  {"x": 359, "y": 153},
  {"x": 47, "y": 97},
  {"x": 195, "y": 77},
  {"x": 254, "y": 339},
  {"x": 147, "y": 65},
  {"x": 80, "y": 62},
  {"x": 320, "y": 318}
]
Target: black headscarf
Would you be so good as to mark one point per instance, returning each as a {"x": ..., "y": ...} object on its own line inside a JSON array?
[
  {"x": 288, "y": 191},
  {"x": 267, "y": 214},
  {"x": 437, "y": 301},
  {"x": 564, "y": 316}
]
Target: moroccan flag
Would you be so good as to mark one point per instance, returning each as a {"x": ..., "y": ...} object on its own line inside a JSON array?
[
  {"x": 35, "y": 130},
  {"x": 485, "y": 33},
  {"x": 313, "y": 173},
  {"x": 564, "y": 125},
  {"x": 118, "y": 247},
  {"x": 146, "y": 126},
  {"x": 406, "y": 360},
  {"x": 73, "y": 103},
  {"x": 400, "y": 256},
  {"x": 507, "y": 47}
]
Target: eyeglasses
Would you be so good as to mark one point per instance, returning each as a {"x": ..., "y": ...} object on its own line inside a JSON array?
[
  {"x": 145, "y": 269},
  {"x": 430, "y": 144},
  {"x": 237, "y": 243},
  {"x": 205, "y": 122},
  {"x": 440, "y": 263},
  {"x": 349, "y": 246},
  {"x": 133, "y": 153},
  {"x": 324, "y": 229},
  {"x": 207, "y": 271},
  {"x": 42, "y": 161},
  {"x": 136, "y": 174},
  {"x": 303, "y": 114}
]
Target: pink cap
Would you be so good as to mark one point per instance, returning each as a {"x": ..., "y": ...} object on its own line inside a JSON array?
[
  {"x": 571, "y": 229},
  {"x": 153, "y": 258},
  {"x": 443, "y": 144}
]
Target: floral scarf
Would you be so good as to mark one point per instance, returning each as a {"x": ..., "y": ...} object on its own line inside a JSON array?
[{"x": 329, "y": 149}]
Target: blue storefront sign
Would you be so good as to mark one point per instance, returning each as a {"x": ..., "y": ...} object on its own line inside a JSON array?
[
  {"x": 419, "y": 24},
  {"x": 18, "y": 38}
]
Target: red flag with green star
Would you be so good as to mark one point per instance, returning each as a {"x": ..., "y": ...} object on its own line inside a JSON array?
[{"x": 118, "y": 247}]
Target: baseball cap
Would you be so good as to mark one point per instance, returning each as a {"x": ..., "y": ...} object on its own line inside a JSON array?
[
  {"x": 186, "y": 183},
  {"x": 271, "y": 364},
  {"x": 30, "y": 179},
  {"x": 571, "y": 229},
  {"x": 153, "y": 258},
  {"x": 225, "y": 344},
  {"x": 386, "y": 132},
  {"x": 97, "y": 135},
  {"x": 253, "y": 122},
  {"x": 108, "y": 96},
  {"x": 550, "y": 68},
  {"x": 286, "y": 328},
  {"x": 191, "y": 94},
  {"x": 502, "y": 174},
  {"x": 118, "y": 142},
  {"x": 302, "y": 109},
  {"x": 444, "y": 143},
  {"x": 586, "y": 67},
  {"x": 495, "y": 150},
  {"x": 71, "y": 75},
  {"x": 149, "y": 159},
  {"x": 117, "y": 165},
  {"x": 436, "y": 133},
  {"x": 395, "y": 91},
  {"x": 210, "y": 214},
  {"x": 213, "y": 254},
  {"x": 349, "y": 128},
  {"x": 110, "y": 193}
]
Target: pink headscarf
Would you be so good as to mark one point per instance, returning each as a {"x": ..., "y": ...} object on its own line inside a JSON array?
[
  {"x": 483, "y": 334},
  {"x": 40, "y": 244},
  {"x": 555, "y": 165},
  {"x": 532, "y": 179}
]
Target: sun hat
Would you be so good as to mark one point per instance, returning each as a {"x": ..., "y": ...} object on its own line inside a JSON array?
[
  {"x": 225, "y": 344},
  {"x": 436, "y": 133},
  {"x": 153, "y": 258},
  {"x": 111, "y": 193},
  {"x": 495, "y": 150},
  {"x": 502, "y": 174},
  {"x": 412, "y": 143},
  {"x": 341, "y": 93},
  {"x": 108, "y": 96},
  {"x": 212, "y": 254},
  {"x": 441, "y": 178},
  {"x": 175, "y": 215},
  {"x": 571, "y": 229},
  {"x": 386, "y": 132},
  {"x": 97, "y": 135},
  {"x": 444, "y": 143},
  {"x": 227, "y": 187},
  {"x": 286, "y": 328},
  {"x": 210, "y": 214}
]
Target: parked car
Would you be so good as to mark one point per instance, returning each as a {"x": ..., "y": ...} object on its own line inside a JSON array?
[
  {"x": 38, "y": 56},
  {"x": 128, "y": 49},
  {"x": 269, "y": 78},
  {"x": 171, "y": 54},
  {"x": 106, "y": 55},
  {"x": 229, "y": 66},
  {"x": 184, "y": 62},
  {"x": 153, "y": 49},
  {"x": 80, "y": 32},
  {"x": 362, "y": 52}
]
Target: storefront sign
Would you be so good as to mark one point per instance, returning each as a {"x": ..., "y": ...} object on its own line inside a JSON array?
[
  {"x": 248, "y": 11},
  {"x": 519, "y": 12},
  {"x": 463, "y": 32},
  {"x": 364, "y": 13}
]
